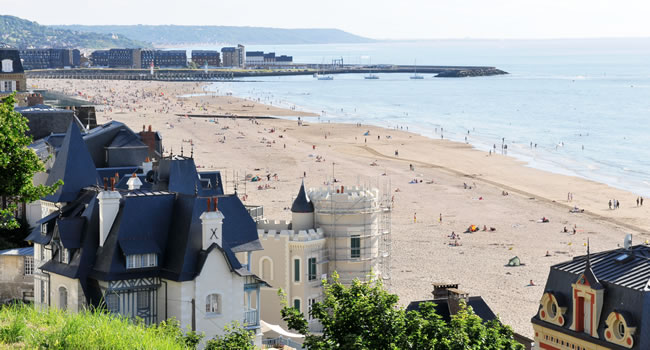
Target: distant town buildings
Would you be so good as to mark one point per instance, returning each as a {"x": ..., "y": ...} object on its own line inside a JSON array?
[
  {"x": 234, "y": 56},
  {"x": 12, "y": 75},
  {"x": 209, "y": 58},
  {"x": 139, "y": 58},
  {"x": 259, "y": 58},
  {"x": 596, "y": 302},
  {"x": 50, "y": 58}
]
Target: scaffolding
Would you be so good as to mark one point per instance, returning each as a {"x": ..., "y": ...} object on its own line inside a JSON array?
[{"x": 357, "y": 225}]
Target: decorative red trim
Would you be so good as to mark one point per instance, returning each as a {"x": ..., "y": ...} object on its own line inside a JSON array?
[{"x": 547, "y": 347}]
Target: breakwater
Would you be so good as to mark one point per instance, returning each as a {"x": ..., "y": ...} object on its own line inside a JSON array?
[{"x": 232, "y": 74}]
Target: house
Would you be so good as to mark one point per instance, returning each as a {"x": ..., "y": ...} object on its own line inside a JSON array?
[
  {"x": 234, "y": 56},
  {"x": 209, "y": 58},
  {"x": 597, "y": 301},
  {"x": 151, "y": 243},
  {"x": 12, "y": 75},
  {"x": 447, "y": 298},
  {"x": 17, "y": 274},
  {"x": 346, "y": 230}
]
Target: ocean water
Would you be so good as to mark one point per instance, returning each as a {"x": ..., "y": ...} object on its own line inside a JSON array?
[{"x": 584, "y": 103}]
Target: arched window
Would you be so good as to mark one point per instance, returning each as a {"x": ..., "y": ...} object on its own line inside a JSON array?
[
  {"x": 213, "y": 304},
  {"x": 7, "y": 65},
  {"x": 266, "y": 268},
  {"x": 63, "y": 298}
]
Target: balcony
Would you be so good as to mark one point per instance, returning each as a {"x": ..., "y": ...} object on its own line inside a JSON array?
[{"x": 251, "y": 319}]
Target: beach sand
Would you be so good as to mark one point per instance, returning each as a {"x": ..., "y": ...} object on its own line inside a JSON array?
[{"x": 421, "y": 251}]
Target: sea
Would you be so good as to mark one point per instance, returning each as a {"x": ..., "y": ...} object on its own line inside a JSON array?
[{"x": 573, "y": 107}]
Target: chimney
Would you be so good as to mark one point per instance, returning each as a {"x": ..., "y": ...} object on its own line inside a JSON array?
[
  {"x": 147, "y": 166},
  {"x": 212, "y": 222},
  {"x": 134, "y": 182},
  {"x": 440, "y": 290},
  {"x": 454, "y": 297},
  {"x": 109, "y": 206}
]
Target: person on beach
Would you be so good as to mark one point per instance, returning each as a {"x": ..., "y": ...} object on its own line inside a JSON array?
[
  {"x": 415, "y": 217},
  {"x": 440, "y": 219},
  {"x": 610, "y": 204},
  {"x": 637, "y": 201},
  {"x": 641, "y": 200}
]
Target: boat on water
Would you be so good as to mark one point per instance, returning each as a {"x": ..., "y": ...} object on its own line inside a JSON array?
[
  {"x": 415, "y": 72},
  {"x": 325, "y": 77},
  {"x": 371, "y": 76}
]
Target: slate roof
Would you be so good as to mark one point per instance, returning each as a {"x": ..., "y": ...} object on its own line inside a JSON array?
[
  {"x": 27, "y": 251},
  {"x": 302, "y": 204},
  {"x": 13, "y": 55},
  {"x": 624, "y": 274},
  {"x": 74, "y": 166},
  {"x": 45, "y": 120},
  {"x": 480, "y": 307}
]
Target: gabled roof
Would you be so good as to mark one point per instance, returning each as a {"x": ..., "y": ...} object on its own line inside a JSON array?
[
  {"x": 27, "y": 251},
  {"x": 302, "y": 204},
  {"x": 74, "y": 166}
]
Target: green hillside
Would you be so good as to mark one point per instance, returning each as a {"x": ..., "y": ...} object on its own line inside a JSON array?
[
  {"x": 22, "y": 34},
  {"x": 176, "y": 34}
]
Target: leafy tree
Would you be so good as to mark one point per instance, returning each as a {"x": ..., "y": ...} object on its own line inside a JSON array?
[
  {"x": 365, "y": 316},
  {"x": 236, "y": 337},
  {"x": 18, "y": 164}
]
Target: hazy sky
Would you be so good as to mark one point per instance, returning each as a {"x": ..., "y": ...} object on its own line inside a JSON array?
[{"x": 405, "y": 19}]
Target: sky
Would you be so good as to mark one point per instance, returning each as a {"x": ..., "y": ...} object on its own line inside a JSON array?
[{"x": 378, "y": 19}]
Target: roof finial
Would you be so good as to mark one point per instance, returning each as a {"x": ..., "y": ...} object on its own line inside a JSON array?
[
  {"x": 588, "y": 255},
  {"x": 181, "y": 150},
  {"x": 192, "y": 151}
]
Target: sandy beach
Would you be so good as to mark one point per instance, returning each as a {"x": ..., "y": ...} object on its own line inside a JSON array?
[{"x": 444, "y": 170}]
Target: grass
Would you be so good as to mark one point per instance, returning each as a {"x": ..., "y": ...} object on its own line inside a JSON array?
[{"x": 24, "y": 327}]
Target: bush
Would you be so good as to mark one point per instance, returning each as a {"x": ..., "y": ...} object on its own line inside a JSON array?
[{"x": 22, "y": 326}]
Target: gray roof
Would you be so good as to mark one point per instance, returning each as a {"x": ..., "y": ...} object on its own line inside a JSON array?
[
  {"x": 27, "y": 251},
  {"x": 302, "y": 204},
  {"x": 13, "y": 55}
]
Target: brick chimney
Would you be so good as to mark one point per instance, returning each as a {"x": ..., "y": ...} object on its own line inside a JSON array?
[
  {"x": 454, "y": 297},
  {"x": 212, "y": 223},
  {"x": 34, "y": 99},
  {"x": 134, "y": 182},
  {"x": 109, "y": 206},
  {"x": 440, "y": 290}
]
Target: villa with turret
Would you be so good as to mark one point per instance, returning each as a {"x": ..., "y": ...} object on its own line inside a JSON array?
[{"x": 344, "y": 230}]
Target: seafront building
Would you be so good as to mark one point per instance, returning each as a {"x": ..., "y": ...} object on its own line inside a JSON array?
[
  {"x": 50, "y": 58},
  {"x": 145, "y": 239},
  {"x": 12, "y": 74},
  {"x": 259, "y": 58},
  {"x": 209, "y": 58},
  {"x": 234, "y": 56},
  {"x": 139, "y": 58},
  {"x": 346, "y": 230},
  {"x": 596, "y": 302}
]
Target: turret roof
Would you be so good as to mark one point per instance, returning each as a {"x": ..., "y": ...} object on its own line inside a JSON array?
[{"x": 302, "y": 204}]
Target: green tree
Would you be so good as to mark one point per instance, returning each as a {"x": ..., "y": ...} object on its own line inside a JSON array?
[
  {"x": 365, "y": 316},
  {"x": 236, "y": 337},
  {"x": 18, "y": 164}
]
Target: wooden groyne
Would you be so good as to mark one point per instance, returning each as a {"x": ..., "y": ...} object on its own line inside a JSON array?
[{"x": 231, "y": 74}]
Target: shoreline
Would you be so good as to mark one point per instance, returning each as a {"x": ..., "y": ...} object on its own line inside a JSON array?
[{"x": 421, "y": 250}]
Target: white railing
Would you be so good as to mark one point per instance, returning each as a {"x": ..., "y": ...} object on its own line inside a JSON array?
[{"x": 250, "y": 318}]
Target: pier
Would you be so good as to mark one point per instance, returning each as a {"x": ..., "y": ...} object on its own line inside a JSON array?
[{"x": 225, "y": 74}]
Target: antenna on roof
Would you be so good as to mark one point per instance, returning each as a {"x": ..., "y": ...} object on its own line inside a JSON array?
[
  {"x": 181, "y": 150},
  {"x": 627, "y": 243},
  {"x": 192, "y": 151}
]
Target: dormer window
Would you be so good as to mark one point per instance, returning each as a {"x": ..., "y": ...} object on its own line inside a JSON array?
[
  {"x": 620, "y": 329},
  {"x": 138, "y": 261},
  {"x": 44, "y": 229},
  {"x": 64, "y": 255},
  {"x": 552, "y": 308},
  {"x": 7, "y": 65}
]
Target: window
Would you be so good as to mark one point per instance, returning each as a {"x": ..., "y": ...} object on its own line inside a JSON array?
[
  {"x": 296, "y": 270},
  {"x": 266, "y": 269},
  {"x": 112, "y": 302},
  {"x": 136, "y": 261},
  {"x": 312, "y": 268},
  {"x": 7, "y": 85},
  {"x": 29, "y": 265},
  {"x": 64, "y": 255},
  {"x": 143, "y": 299},
  {"x": 7, "y": 65},
  {"x": 63, "y": 298},
  {"x": 296, "y": 304},
  {"x": 355, "y": 247},
  {"x": 44, "y": 229},
  {"x": 213, "y": 304},
  {"x": 312, "y": 301}
]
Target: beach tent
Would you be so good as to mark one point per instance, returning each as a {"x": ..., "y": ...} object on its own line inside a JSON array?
[{"x": 514, "y": 261}]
